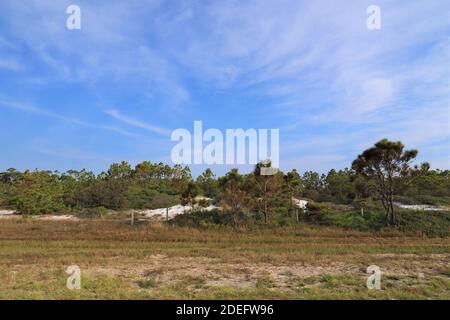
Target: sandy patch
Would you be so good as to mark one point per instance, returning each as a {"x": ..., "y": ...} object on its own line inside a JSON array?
[
  {"x": 420, "y": 207},
  {"x": 6, "y": 212},
  {"x": 300, "y": 203},
  {"x": 11, "y": 214},
  {"x": 214, "y": 272},
  {"x": 161, "y": 213},
  {"x": 56, "y": 218}
]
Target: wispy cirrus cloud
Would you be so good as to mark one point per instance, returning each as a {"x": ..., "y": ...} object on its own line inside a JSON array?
[
  {"x": 111, "y": 46},
  {"x": 137, "y": 123},
  {"x": 310, "y": 68},
  {"x": 40, "y": 111},
  {"x": 10, "y": 64}
]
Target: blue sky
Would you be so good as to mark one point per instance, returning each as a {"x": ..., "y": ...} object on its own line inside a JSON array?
[{"x": 139, "y": 69}]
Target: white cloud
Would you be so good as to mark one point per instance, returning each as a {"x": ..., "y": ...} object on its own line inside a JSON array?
[
  {"x": 10, "y": 64},
  {"x": 33, "y": 109},
  {"x": 335, "y": 84},
  {"x": 110, "y": 47},
  {"x": 137, "y": 123}
]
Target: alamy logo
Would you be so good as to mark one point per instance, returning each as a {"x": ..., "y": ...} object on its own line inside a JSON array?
[
  {"x": 73, "y": 21},
  {"x": 74, "y": 280},
  {"x": 374, "y": 280},
  {"x": 239, "y": 147},
  {"x": 374, "y": 20}
]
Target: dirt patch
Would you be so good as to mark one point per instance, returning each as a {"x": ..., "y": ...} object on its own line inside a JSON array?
[{"x": 168, "y": 270}]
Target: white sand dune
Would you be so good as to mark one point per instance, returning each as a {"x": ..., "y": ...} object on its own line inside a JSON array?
[
  {"x": 173, "y": 211},
  {"x": 6, "y": 212},
  {"x": 160, "y": 214},
  {"x": 10, "y": 214},
  {"x": 419, "y": 207},
  {"x": 300, "y": 203},
  {"x": 56, "y": 218}
]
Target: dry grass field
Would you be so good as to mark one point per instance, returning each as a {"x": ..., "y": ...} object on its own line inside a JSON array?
[{"x": 119, "y": 261}]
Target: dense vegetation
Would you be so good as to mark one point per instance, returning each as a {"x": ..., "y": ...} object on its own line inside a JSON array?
[
  {"x": 245, "y": 198},
  {"x": 121, "y": 187}
]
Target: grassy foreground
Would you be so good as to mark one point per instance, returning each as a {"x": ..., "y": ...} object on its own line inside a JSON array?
[{"x": 119, "y": 261}]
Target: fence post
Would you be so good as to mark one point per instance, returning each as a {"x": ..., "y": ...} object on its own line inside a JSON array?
[
  {"x": 167, "y": 214},
  {"x": 132, "y": 217},
  {"x": 296, "y": 213}
]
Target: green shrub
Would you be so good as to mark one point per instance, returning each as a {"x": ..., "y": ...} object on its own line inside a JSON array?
[
  {"x": 147, "y": 283},
  {"x": 430, "y": 223},
  {"x": 204, "y": 203},
  {"x": 97, "y": 212},
  {"x": 204, "y": 219}
]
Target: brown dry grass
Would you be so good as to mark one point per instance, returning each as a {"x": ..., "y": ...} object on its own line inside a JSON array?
[{"x": 156, "y": 261}]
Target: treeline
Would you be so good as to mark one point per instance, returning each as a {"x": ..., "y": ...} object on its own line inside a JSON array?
[
  {"x": 150, "y": 185},
  {"x": 378, "y": 177}
]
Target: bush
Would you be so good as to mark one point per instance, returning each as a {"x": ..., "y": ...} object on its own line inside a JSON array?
[
  {"x": 39, "y": 200},
  {"x": 204, "y": 219},
  {"x": 430, "y": 223},
  {"x": 312, "y": 206},
  {"x": 97, "y": 212},
  {"x": 424, "y": 199},
  {"x": 373, "y": 220},
  {"x": 141, "y": 198},
  {"x": 204, "y": 203},
  {"x": 281, "y": 220}
]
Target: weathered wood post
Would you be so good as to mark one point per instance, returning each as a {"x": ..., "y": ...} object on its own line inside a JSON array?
[
  {"x": 362, "y": 212},
  {"x": 296, "y": 213},
  {"x": 132, "y": 217},
  {"x": 167, "y": 214}
]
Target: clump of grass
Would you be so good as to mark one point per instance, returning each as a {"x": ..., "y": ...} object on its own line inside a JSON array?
[
  {"x": 196, "y": 282},
  {"x": 304, "y": 283},
  {"x": 147, "y": 283},
  {"x": 328, "y": 281},
  {"x": 153, "y": 273},
  {"x": 446, "y": 272},
  {"x": 264, "y": 283}
]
